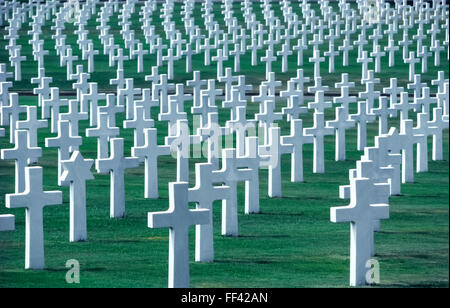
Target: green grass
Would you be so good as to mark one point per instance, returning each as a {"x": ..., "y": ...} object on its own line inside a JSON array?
[{"x": 291, "y": 243}]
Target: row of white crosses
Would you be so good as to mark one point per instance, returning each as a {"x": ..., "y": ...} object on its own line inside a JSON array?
[
  {"x": 65, "y": 140},
  {"x": 311, "y": 25},
  {"x": 64, "y": 128},
  {"x": 172, "y": 106},
  {"x": 378, "y": 175}
]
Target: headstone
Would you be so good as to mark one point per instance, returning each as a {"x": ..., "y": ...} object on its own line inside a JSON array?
[
  {"x": 32, "y": 124},
  {"x": 204, "y": 193},
  {"x": 362, "y": 117},
  {"x": 341, "y": 123},
  {"x": 180, "y": 144},
  {"x": 383, "y": 112},
  {"x": 65, "y": 142},
  {"x": 150, "y": 151},
  {"x": 51, "y": 108},
  {"x": 178, "y": 219},
  {"x": 237, "y": 169},
  {"x": 139, "y": 123},
  {"x": 10, "y": 114},
  {"x": 270, "y": 154},
  {"x": 318, "y": 131},
  {"x": 361, "y": 212},
  {"x": 34, "y": 199},
  {"x": 73, "y": 116},
  {"x": 297, "y": 139},
  {"x": 115, "y": 165},
  {"x": 23, "y": 153},
  {"x": 76, "y": 172}
]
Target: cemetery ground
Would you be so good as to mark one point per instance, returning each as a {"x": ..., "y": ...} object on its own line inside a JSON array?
[{"x": 291, "y": 243}]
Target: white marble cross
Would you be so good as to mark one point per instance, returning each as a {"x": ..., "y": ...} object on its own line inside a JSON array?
[
  {"x": 34, "y": 199},
  {"x": 234, "y": 102},
  {"x": 67, "y": 60},
  {"x": 178, "y": 218},
  {"x": 160, "y": 92},
  {"x": 147, "y": 102},
  {"x": 207, "y": 102},
  {"x": 175, "y": 110},
  {"x": 23, "y": 153},
  {"x": 318, "y": 131},
  {"x": 362, "y": 117},
  {"x": 297, "y": 139},
  {"x": 269, "y": 58},
  {"x": 270, "y": 154},
  {"x": 196, "y": 84},
  {"x": 119, "y": 81},
  {"x": 77, "y": 171},
  {"x": 204, "y": 193},
  {"x": 51, "y": 107},
  {"x": 32, "y": 124},
  {"x": 228, "y": 79},
  {"x": 425, "y": 101},
  {"x": 295, "y": 101},
  {"x": 237, "y": 169},
  {"x": 319, "y": 104},
  {"x": 128, "y": 93},
  {"x": 403, "y": 143},
  {"x": 364, "y": 60},
  {"x": 180, "y": 144},
  {"x": 139, "y": 123},
  {"x": 404, "y": 106},
  {"x": 437, "y": 48},
  {"x": 73, "y": 116},
  {"x": 170, "y": 58},
  {"x": 89, "y": 102},
  {"x": 241, "y": 126},
  {"x": 16, "y": 61},
  {"x": 317, "y": 86},
  {"x": 417, "y": 85},
  {"x": 361, "y": 212},
  {"x": 345, "y": 48},
  {"x": 377, "y": 54},
  {"x": 436, "y": 126},
  {"x": 341, "y": 123},
  {"x": 104, "y": 132},
  {"x": 120, "y": 58},
  {"x": 331, "y": 54},
  {"x": 111, "y": 109},
  {"x": 285, "y": 52},
  {"x": 115, "y": 165},
  {"x": 383, "y": 112},
  {"x": 412, "y": 60},
  {"x": 65, "y": 142},
  {"x": 393, "y": 90},
  {"x": 139, "y": 53},
  {"x": 10, "y": 114},
  {"x": 89, "y": 54},
  {"x": 150, "y": 151}
]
